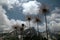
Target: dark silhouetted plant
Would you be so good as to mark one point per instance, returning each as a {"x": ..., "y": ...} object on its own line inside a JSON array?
[
  {"x": 45, "y": 10},
  {"x": 37, "y": 20}
]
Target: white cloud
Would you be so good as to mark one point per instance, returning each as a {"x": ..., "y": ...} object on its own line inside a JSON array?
[
  {"x": 13, "y": 2},
  {"x": 31, "y": 7},
  {"x": 4, "y": 21},
  {"x": 10, "y": 3},
  {"x": 3, "y": 18},
  {"x": 54, "y": 20},
  {"x": 2, "y": 2},
  {"x": 54, "y": 27},
  {"x": 42, "y": 27}
]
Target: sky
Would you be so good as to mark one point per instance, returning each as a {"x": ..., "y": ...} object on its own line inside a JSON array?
[{"x": 14, "y": 12}]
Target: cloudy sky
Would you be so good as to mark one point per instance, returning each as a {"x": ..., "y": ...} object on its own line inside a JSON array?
[{"x": 14, "y": 12}]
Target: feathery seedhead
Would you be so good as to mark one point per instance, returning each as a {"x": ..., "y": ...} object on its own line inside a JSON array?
[
  {"x": 28, "y": 18},
  {"x": 44, "y": 8},
  {"x": 23, "y": 25},
  {"x": 15, "y": 26},
  {"x": 37, "y": 19}
]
